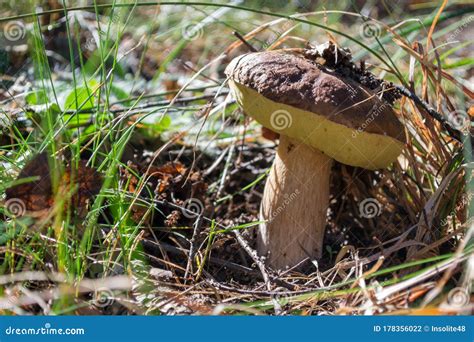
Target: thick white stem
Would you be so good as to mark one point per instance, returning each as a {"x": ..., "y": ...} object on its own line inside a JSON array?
[{"x": 294, "y": 205}]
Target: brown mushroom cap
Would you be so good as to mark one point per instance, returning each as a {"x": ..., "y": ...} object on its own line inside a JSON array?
[{"x": 335, "y": 114}]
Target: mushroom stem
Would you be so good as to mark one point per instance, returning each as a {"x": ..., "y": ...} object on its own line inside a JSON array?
[{"x": 294, "y": 205}]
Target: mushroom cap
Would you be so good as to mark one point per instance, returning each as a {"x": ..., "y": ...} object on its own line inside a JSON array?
[{"x": 293, "y": 96}]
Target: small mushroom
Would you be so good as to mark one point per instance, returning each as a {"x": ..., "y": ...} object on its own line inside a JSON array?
[{"x": 320, "y": 116}]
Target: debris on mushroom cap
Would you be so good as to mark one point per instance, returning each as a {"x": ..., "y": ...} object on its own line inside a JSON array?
[
  {"x": 328, "y": 55},
  {"x": 333, "y": 113}
]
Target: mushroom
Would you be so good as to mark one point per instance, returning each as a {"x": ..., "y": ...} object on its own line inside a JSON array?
[{"x": 321, "y": 116}]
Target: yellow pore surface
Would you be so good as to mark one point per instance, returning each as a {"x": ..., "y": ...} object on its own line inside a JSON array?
[{"x": 346, "y": 145}]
